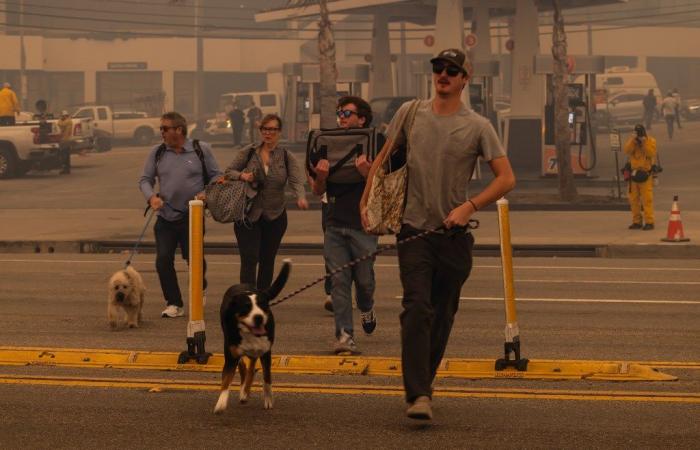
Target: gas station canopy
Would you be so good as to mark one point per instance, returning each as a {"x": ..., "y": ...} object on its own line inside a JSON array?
[{"x": 415, "y": 11}]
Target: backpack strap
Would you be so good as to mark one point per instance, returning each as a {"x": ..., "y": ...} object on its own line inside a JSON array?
[
  {"x": 200, "y": 155},
  {"x": 159, "y": 155}
]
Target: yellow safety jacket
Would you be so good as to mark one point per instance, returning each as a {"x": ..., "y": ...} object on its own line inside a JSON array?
[
  {"x": 8, "y": 102},
  {"x": 641, "y": 156}
]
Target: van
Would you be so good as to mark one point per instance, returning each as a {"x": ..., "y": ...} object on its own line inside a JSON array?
[
  {"x": 269, "y": 102},
  {"x": 622, "y": 79}
]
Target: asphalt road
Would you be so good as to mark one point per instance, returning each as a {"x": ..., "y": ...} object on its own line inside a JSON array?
[{"x": 584, "y": 309}]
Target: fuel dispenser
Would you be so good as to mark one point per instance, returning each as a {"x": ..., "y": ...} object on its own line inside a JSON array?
[
  {"x": 302, "y": 107},
  {"x": 580, "y": 129}
]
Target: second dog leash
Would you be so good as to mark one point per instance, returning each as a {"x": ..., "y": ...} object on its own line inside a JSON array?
[
  {"x": 472, "y": 225},
  {"x": 150, "y": 213}
]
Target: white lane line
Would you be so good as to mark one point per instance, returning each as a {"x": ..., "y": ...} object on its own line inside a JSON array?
[{"x": 582, "y": 300}]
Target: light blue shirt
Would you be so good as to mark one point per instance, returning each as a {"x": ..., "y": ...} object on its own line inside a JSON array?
[{"x": 179, "y": 177}]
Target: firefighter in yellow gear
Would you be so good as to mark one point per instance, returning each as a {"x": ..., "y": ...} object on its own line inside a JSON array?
[{"x": 641, "y": 151}]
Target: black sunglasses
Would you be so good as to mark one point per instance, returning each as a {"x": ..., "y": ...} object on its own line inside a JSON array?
[
  {"x": 165, "y": 129},
  {"x": 345, "y": 113},
  {"x": 452, "y": 70}
]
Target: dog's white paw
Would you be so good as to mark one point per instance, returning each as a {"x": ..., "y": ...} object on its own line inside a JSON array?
[
  {"x": 243, "y": 396},
  {"x": 267, "y": 396},
  {"x": 222, "y": 403}
]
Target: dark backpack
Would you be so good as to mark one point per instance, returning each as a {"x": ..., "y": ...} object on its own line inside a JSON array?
[{"x": 197, "y": 150}]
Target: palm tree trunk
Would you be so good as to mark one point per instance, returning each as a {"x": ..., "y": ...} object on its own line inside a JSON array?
[
  {"x": 327, "y": 67},
  {"x": 562, "y": 132}
]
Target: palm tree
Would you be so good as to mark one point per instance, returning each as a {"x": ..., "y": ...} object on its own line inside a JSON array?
[
  {"x": 326, "y": 60},
  {"x": 562, "y": 136}
]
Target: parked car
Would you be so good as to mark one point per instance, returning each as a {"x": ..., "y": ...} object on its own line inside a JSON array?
[
  {"x": 690, "y": 109},
  {"x": 626, "y": 108},
  {"x": 82, "y": 138},
  {"x": 216, "y": 129},
  {"x": 24, "y": 147},
  {"x": 109, "y": 125},
  {"x": 269, "y": 102}
]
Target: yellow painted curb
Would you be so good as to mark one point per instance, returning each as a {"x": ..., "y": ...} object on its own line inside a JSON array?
[{"x": 346, "y": 365}]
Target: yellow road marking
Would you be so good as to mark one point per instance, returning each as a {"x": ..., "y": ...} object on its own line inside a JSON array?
[
  {"x": 331, "y": 365},
  {"x": 161, "y": 385}
]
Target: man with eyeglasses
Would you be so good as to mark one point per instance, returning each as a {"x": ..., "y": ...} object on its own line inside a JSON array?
[
  {"x": 183, "y": 167},
  {"x": 344, "y": 239},
  {"x": 445, "y": 141}
]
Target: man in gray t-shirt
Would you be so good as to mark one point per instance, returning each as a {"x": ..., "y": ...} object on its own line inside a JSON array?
[{"x": 445, "y": 141}]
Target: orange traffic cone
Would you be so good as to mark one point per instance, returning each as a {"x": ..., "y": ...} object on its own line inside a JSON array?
[{"x": 675, "y": 226}]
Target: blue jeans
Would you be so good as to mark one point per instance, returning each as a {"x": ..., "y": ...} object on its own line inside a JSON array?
[{"x": 341, "y": 246}]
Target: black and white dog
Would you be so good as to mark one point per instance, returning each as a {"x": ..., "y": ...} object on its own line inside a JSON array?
[{"x": 249, "y": 330}]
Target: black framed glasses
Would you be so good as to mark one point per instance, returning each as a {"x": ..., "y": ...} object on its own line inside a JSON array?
[
  {"x": 452, "y": 70},
  {"x": 345, "y": 113},
  {"x": 269, "y": 129},
  {"x": 165, "y": 129}
]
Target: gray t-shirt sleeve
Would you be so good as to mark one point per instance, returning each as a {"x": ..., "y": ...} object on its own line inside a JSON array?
[
  {"x": 489, "y": 145},
  {"x": 394, "y": 131}
]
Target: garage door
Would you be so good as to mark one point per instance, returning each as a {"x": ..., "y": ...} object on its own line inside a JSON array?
[{"x": 131, "y": 91}]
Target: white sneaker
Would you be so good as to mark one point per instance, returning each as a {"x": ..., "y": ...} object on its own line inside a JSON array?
[
  {"x": 173, "y": 311},
  {"x": 345, "y": 344}
]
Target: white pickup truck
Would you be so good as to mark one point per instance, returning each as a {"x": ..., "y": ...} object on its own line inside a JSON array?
[
  {"x": 81, "y": 139},
  {"x": 109, "y": 125},
  {"x": 24, "y": 147}
]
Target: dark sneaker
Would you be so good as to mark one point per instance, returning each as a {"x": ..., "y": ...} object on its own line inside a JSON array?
[
  {"x": 420, "y": 409},
  {"x": 635, "y": 226},
  {"x": 648, "y": 226},
  {"x": 345, "y": 344},
  {"x": 328, "y": 304},
  {"x": 369, "y": 321}
]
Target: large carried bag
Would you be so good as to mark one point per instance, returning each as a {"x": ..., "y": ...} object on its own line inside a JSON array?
[
  {"x": 230, "y": 201},
  {"x": 340, "y": 146},
  {"x": 387, "y": 196}
]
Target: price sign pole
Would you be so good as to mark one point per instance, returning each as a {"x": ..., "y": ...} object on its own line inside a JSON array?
[{"x": 616, "y": 147}]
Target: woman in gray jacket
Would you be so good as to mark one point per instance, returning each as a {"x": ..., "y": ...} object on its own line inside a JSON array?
[{"x": 269, "y": 169}]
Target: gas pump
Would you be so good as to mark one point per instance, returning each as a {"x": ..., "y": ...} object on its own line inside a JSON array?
[
  {"x": 302, "y": 106},
  {"x": 583, "y": 155}
]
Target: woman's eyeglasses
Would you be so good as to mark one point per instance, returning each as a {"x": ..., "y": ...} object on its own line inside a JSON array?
[
  {"x": 345, "y": 113},
  {"x": 452, "y": 70},
  {"x": 269, "y": 130}
]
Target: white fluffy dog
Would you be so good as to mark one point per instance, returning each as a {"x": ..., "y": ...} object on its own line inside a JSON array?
[{"x": 126, "y": 293}]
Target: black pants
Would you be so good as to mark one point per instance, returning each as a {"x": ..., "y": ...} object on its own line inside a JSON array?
[
  {"x": 237, "y": 134},
  {"x": 328, "y": 284},
  {"x": 7, "y": 121},
  {"x": 670, "y": 121},
  {"x": 433, "y": 270},
  {"x": 64, "y": 156},
  {"x": 170, "y": 235},
  {"x": 258, "y": 244}
]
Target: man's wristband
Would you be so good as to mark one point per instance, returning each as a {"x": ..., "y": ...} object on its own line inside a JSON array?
[{"x": 473, "y": 204}]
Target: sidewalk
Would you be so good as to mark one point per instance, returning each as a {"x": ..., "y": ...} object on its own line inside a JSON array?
[{"x": 595, "y": 233}]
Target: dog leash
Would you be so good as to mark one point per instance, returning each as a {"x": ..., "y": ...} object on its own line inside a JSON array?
[
  {"x": 472, "y": 225},
  {"x": 150, "y": 212}
]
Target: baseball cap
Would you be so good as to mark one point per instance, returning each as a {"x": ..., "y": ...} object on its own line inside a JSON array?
[
  {"x": 64, "y": 113},
  {"x": 453, "y": 56}
]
